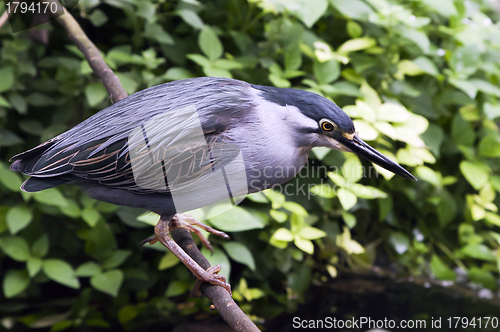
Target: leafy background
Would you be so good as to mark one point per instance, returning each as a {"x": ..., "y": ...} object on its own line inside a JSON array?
[{"x": 420, "y": 78}]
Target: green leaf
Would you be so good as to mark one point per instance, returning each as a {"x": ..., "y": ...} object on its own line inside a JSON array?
[
  {"x": 467, "y": 87},
  {"x": 127, "y": 313},
  {"x": 240, "y": 253},
  {"x": 478, "y": 251},
  {"x": 146, "y": 10},
  {"x": 40, "y": 100},
  {"x": 279, "y": 216},
  {"x": 71, "y": 209},
  {"x": 95, "y": 93},
  {"x": 283, "y": 234},
  {"x": 311, "y": 233},
  {"x": 418, "y": 37},
  {"x": 199, "y": 59},
  {"x": 428, "y": 174},
  {"x": 392, "y": 112},
  {"x": 365, "y": 130},
  {"x": 191, "y": 18},
  {"x": 367, "y": 192},
  {"x": 6, "y": 78},
  {"x": 236, "y": 219},
  {"x": 347, "y": 198},
  {"x": 108, "y": 282},
  {"x": 98, "y": 18},
  {"x": 326, "y": 72},
  {"x": 447, "y": 208},
  {"x": 426, "y": 65},
  {"x": 10, "y": 179},
  {"x": 51, "y": 196},
  {"x": 356, "y": 9},
  {"x": 18, "y": 218},
  {"x": 486, "y": 87},
  {"x": 278, "y": 81},
  {"x": 128, "y": 83},
  {"x": 356, "y": 44},
  {"x": 33, "y": 127},
  {"x": 175, "y": 288},
  {"x": 462, "y": 132},
  {"x": 88, "y": 269},
  {"x": 61, "y": 272},
  {"x": 323, "y": 190},
  {"x": 491, "y": 111},
  {"x": 354, "y": 29},
  {"x": 482, "y": 277},
  {"x": 258, "y": 197},
  {"x": 349, "y": 219},
  {"x": 441, "y": 270},
  {"x": 156, "y": 32},
  {"x": 40, "y": 247},
  {"x": 15, "y": 247},
  {"x": 308, "y": 11},
  {"x": 493, "y": 218},
  {"x": 15, "y": 282},
  {"x": 433, "y": 138},
  {"x": 400, "y": 242},
  {"x": 293, "y": 57},
  {"x": 4, "y": 102},
  {"x": 475, "y": 173},
  {"x": 209, "y": 43},
  {"x": 352, "y": 169},
  {"x": 304, "y": 245},
  {"x": 91, "y": 216},
  {"x": 218, "y": 258},
  {"x": 344, "y": 241},
  {"x": 490, "y": 147},
  {"x": 33, "y": 265},
  {"x": 167, "y": 261},
  {"x": 295, "y": 208},
  {"x": 177, "y": 73},
  {"x": 337, "y": 179},
  {"x": 116, "y": 259},
  {"x": 445, "y": 8}
]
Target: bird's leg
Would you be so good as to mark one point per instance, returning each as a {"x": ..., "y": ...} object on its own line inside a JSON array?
[
  {"x": 210, "y": 275},
  {"x": 185, "y": 221}
]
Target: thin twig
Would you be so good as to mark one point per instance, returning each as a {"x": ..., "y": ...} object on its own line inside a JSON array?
[
  {"x": 219, "y": 296},
  {"x": 4, "y": 18}
]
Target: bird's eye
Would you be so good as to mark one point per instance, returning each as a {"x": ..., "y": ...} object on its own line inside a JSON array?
[{"x": 327, "y": 125}]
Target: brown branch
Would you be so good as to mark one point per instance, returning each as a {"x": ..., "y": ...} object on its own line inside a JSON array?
[
  {"x": 94, "y": 58},
  {"x": 219, "y": 296}
]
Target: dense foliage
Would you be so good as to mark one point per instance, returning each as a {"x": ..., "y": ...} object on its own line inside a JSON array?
[{"x": 420, "y": 78}]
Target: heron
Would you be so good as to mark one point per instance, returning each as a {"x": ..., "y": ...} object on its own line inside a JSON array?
[{"x": 190, "y": 143}]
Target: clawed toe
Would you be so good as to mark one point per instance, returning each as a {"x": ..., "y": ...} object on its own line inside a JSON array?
[
  {"x": 151, "y": 240},
  {"x": 211, "y": 277}
]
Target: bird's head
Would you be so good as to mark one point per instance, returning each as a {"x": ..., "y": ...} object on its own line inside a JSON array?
[{"x": 330, "y": 127}]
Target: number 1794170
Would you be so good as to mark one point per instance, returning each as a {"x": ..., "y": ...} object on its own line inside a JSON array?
[{"x": 23, "y": 7}]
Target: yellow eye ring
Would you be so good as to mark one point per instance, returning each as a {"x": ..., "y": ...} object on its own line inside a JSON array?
[{"x": 327, "y": 125}]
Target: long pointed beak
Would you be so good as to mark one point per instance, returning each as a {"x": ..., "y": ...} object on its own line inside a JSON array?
[{"x": 359, "y": 147}]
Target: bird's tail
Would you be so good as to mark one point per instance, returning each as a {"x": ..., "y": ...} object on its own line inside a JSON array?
[
  {"x": 38, "y": 184},
  {"x": 24, "y": 162}
]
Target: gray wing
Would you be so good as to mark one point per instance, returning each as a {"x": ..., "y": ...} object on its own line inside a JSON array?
[{"x": 149, "y": 141}]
